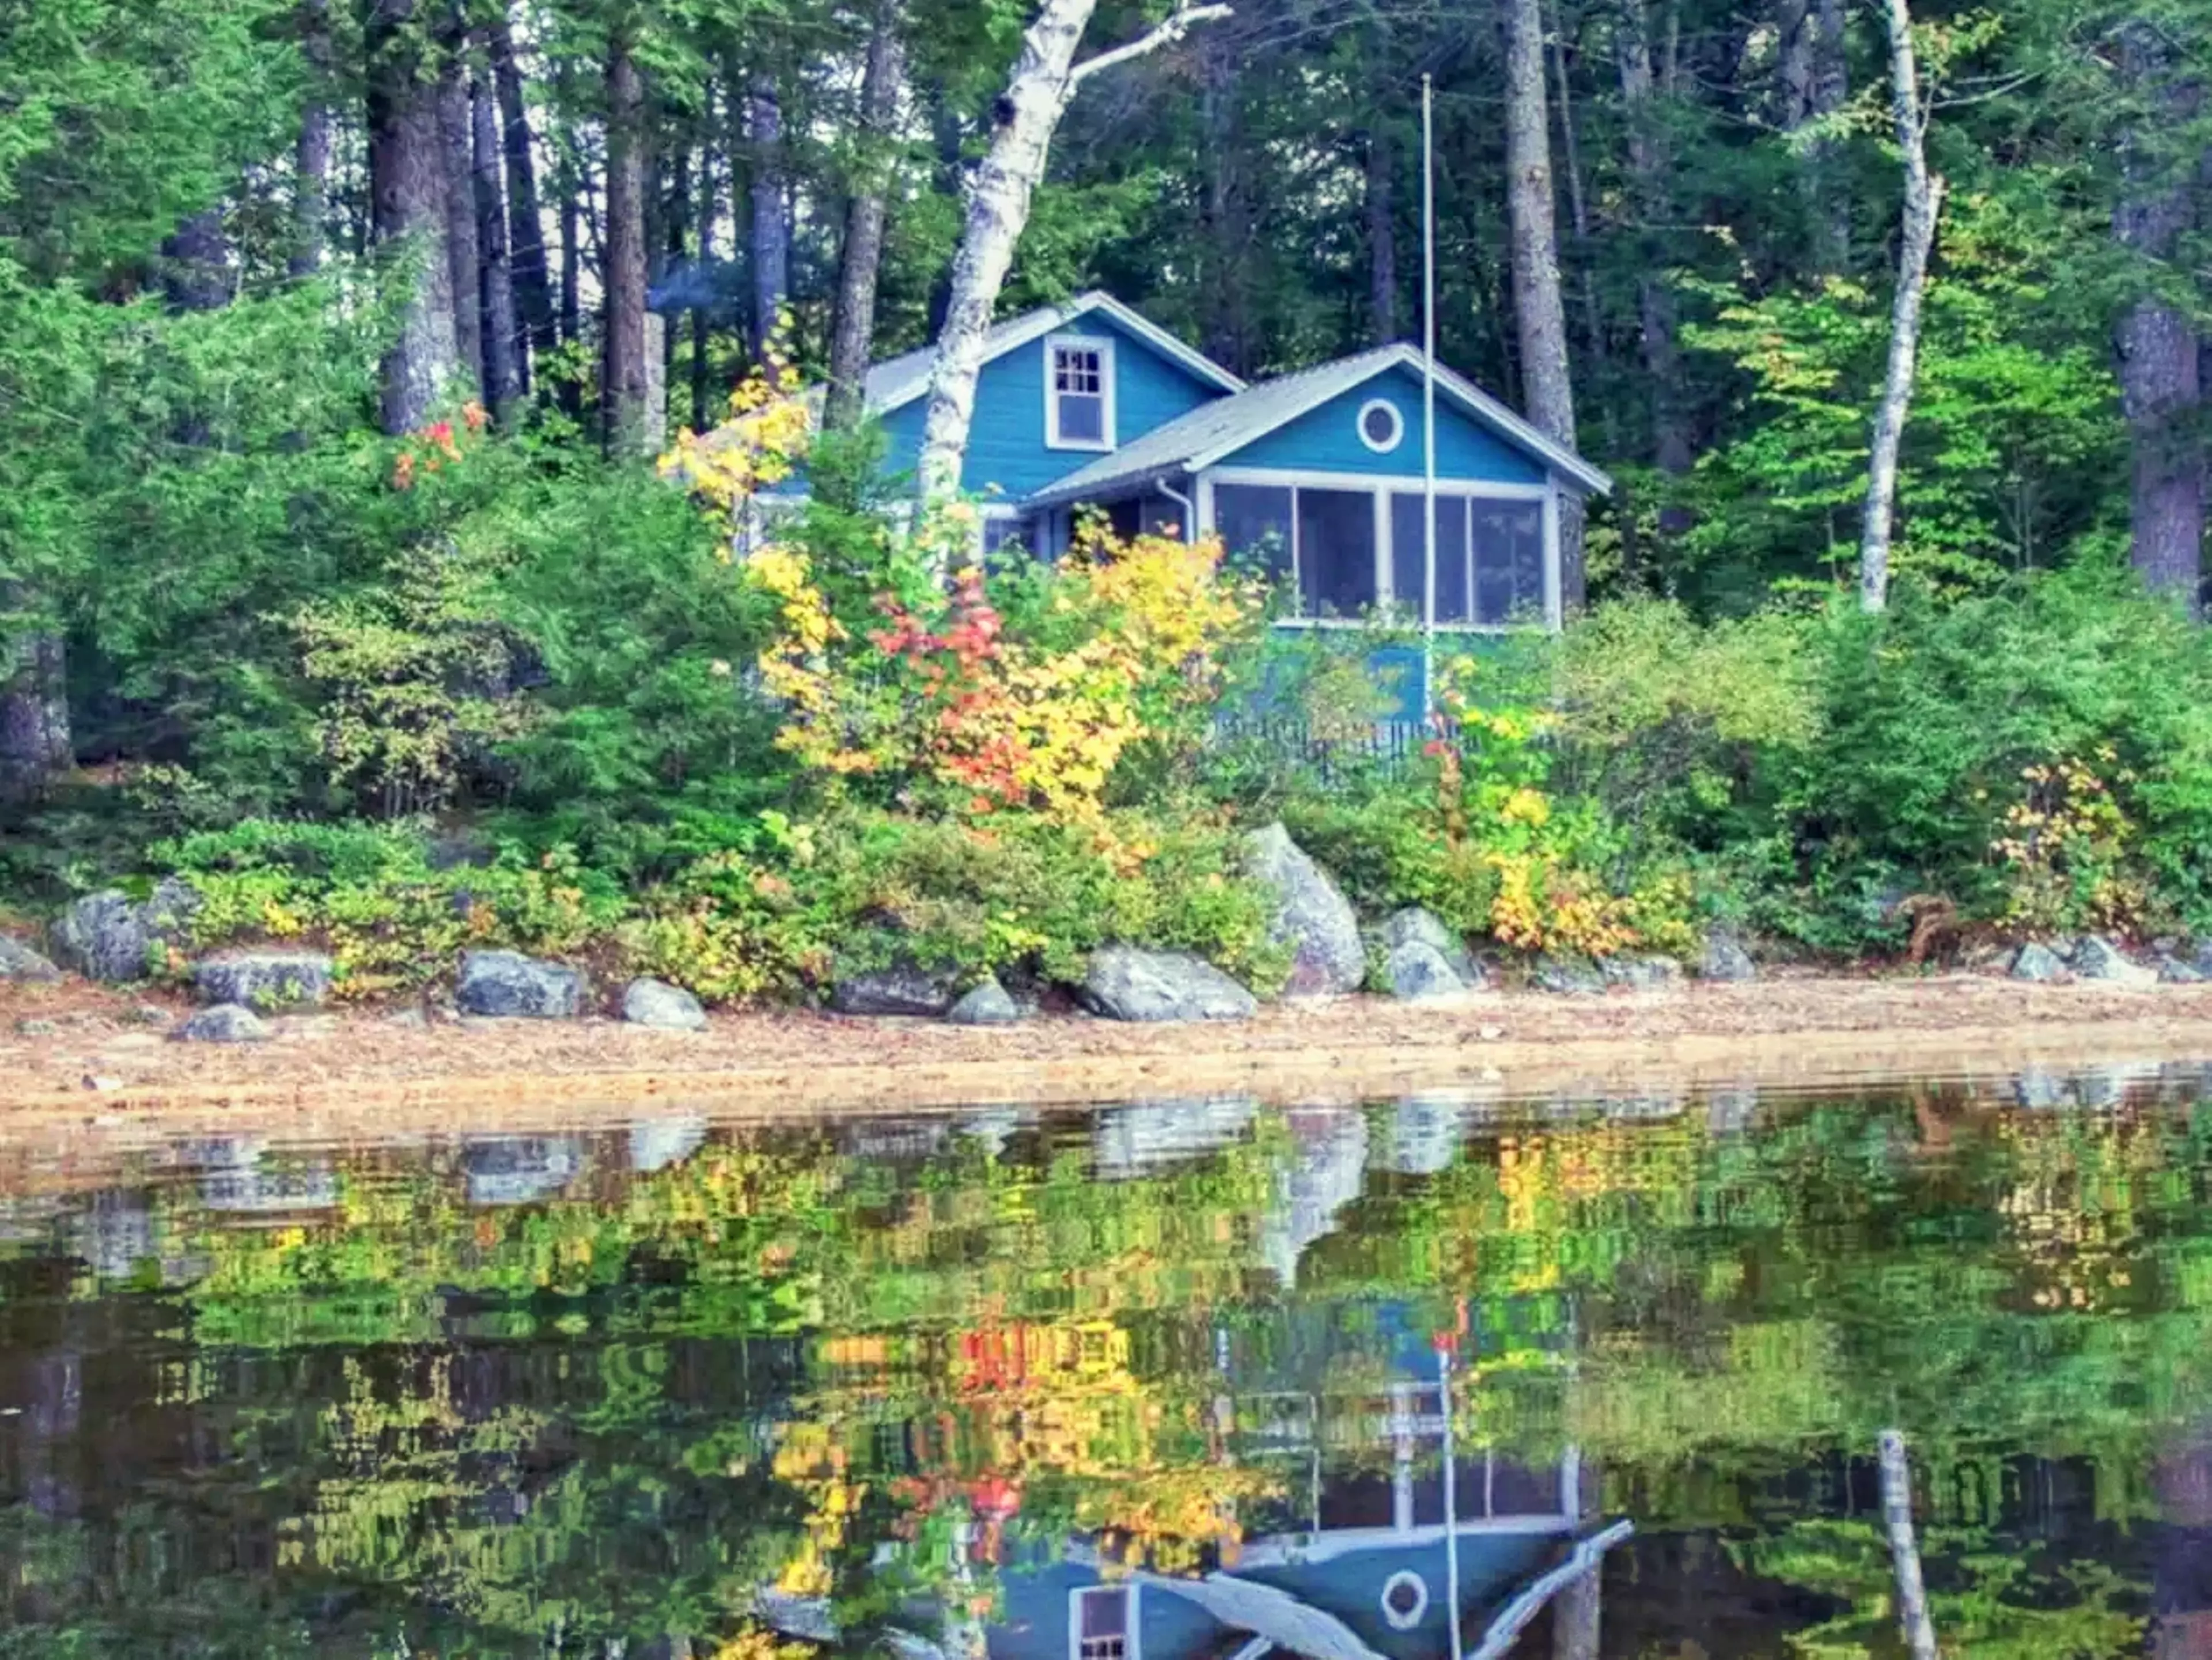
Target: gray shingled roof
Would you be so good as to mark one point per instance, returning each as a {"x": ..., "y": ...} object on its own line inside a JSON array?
[{"x": 1216, "y": 430}]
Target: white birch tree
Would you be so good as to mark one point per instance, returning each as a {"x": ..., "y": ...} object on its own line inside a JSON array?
[
  {"x": 1923, "y": 203},
  {"x": 1046, "y": 77}
]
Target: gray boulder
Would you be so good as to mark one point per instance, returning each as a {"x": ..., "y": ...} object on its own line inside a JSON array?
[
  {"x": 657, "y": 1004},
  {"x": 1413, "y": 969},
  {"x": 1726, "y": 959},
  {"x": 1312, "y": 917},
  {"x": 2098, "y": 958},
  {"x": 2037, "y": 962},
  {"x": 111, "y": 936},
  {"x": 1414, "y": 926},
  {"x": 986, "y": 1005},
  {"x": 1643, "y": 973},
  {"x": 506, "y": 985},
  {"x": 264, "y": 979},
  {"x": 226, "y": 1023},
  {"x": 1127, "y": 982},
  {"x": 19, "y": 962},
  {"x": 519, "y": 1169},
  {"x": 902, "y": 989},
  {"x": 1566, "y": 976},
  {"x": 2172, "y": 972}
]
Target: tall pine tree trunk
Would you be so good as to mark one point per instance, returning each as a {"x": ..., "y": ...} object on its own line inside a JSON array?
[
  {"x": 626, "y": 379},
  {"x": 709, "y": 208},
  {"x": 853, "y": 324},
  {"x": 770, "y": 236},
  {"x": 1547, "y": 387},
  {"x": 503, "y": 344},
  {"x": 1382, "y": 239},
  {"x": 311, "y": 166},
  {"x": 1225, "y": 219},
  {"x": 457, "y": 148},
  {"x": 407, "y": 193},
  {"x": 1649, "y": 168},
  {"x": 1577, "y": 205},
  {"x": 572, "y": 209},
  {"x": 1923, "y": 204},
  {"x": 2161, "y": 368},
  {"x": 526, "y": 230}
]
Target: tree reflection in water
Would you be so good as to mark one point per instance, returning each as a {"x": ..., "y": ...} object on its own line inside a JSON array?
[{"x": 1024, "y": 1380}]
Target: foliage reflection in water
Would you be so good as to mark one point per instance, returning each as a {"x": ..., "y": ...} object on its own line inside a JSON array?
[{"x": 1160, "y": 1380}]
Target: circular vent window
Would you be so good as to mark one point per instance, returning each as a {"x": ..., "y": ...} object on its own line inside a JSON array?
[
  {"x": 1381, "y": 426},
  {"x": 1405, "y": 1600}
]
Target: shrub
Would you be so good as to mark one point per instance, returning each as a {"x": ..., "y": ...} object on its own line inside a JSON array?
[
  {"x": 1017, "y": 691},
  {"x": 373, "y": 898}
]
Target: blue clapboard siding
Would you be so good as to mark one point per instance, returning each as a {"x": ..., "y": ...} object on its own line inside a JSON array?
[
  {"x": 1326, "y": 440},
  {"x": 1006, "y": 445}
]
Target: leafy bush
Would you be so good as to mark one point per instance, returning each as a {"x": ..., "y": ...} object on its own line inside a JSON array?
[
  {"x": 1020, "y": 690},
  {"x": 389, "y": 916},
  {"x": 1961, "y": 745}
]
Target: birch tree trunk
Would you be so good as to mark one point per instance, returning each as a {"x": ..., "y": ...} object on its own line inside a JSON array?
[
  {"x": 2161, "y": 369},
  {"x": 1903, "y": 1549},
  {"x": 1045, "y": 78},
  {"x": 458, "y": 156},
  {"x": 1548, "y": 386},
  {"x": 860, "y": 262},
  {"x": 407, "y": 198},
  {"x": 526, "y": 230},
  {"x": 311, "y": 166},
  {"x": 1923, "y": 203},
  {"x": 625, "y": 378},
  {"x": 503, "y": 343},
  {"x": 771, "y": 223}
]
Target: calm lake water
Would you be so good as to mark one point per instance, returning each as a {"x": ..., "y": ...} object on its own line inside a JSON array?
[{"x": 1160, "y": 1381}]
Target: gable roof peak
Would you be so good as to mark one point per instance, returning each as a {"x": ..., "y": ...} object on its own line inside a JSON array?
[
  {"x": 1215, "y": 430},
  {"x": 899, "y": 380}
]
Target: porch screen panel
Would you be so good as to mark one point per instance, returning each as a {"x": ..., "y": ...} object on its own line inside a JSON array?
[
  {"x": 1254, "y": 523},
  {"x": 1507, "y": 540},
  {"x": 1408, "y": 573},
  {"x": 1336, "y": 552}
]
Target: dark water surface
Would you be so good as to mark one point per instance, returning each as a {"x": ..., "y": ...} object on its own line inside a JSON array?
[{"x": 1155, "y": 1381}]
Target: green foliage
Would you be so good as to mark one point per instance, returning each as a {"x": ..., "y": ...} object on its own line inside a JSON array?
[
  {"x": 391, "y": 916},
  {"x": 2014, "y": 438}
]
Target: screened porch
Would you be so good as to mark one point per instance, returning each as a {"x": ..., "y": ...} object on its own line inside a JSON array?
[{"x": 1351, "y": 547}]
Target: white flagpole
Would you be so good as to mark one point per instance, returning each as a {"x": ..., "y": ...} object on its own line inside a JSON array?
[{"x": 1428, "y": 400}]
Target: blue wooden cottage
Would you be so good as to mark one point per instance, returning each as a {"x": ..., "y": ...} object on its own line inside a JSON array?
[{"x": 1317, "y": 474}]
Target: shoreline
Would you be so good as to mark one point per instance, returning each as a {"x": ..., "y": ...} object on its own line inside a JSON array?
[{"x": 107, "y": 1076}]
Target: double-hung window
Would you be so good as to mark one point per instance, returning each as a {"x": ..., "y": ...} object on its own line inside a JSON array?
[{"x": 1078, "y": 393}]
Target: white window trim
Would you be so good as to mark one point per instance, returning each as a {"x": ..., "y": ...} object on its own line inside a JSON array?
[
  {"x": 1103, "y": 345},
  {"x": 1384, "y": 485},
  {"x": 1135, "y": 1647},
  {"x": 1397, "y": 425},
  {"x": 1391, "y": 1616}
]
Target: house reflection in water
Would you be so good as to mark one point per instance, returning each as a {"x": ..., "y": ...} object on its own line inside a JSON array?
[{"x": 1363, "y": 1569}]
